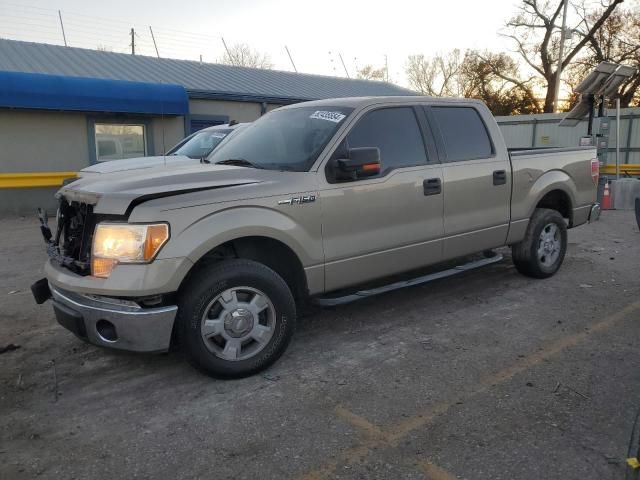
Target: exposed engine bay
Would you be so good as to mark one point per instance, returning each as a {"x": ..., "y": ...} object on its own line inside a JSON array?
[{"x": 70, "y": 246}]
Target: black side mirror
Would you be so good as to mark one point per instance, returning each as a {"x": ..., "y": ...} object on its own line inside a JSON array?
[{"x": 361, "y": 162}]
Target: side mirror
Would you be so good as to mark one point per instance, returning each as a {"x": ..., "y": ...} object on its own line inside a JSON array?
[{"x": 361, "y": 162}]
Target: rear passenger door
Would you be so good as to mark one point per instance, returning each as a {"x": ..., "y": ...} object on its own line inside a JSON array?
[
  {"x": 476, "y": 180},
  {"x": 378, "y": 226}
]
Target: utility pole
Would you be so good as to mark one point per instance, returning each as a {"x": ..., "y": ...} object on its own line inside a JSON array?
[
  {"x": 133, "y": 41},
  {"x": 556, "y": 94},
  {"x": 386, "y": 69},
  {"x": 154, "y": 41},
  {"x": 343, "y": 65},
  {"x": 291, "y": 59},
  {"x": 64, "y": 36}
]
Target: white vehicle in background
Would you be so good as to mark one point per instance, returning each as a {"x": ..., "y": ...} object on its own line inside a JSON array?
[{"x": 191, "y": 150}]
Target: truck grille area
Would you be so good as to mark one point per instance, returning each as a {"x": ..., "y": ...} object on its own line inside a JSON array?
[{"x": 71, "y": 245}]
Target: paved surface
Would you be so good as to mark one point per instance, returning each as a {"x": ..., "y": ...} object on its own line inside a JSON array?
[{"x": 487, "y": 376}]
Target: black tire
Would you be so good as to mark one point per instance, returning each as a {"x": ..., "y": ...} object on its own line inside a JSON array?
[
  {"x": 525, "y": 254},
  {"x": 208, "y": 283}
]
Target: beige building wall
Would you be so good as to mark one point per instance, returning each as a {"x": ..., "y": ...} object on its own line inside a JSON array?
[
  {"x": 240, "y": 111},
  {"x": 166, "y": 133},
  {"x": 41, "y": 141},
  {"x": 272, "y": 106}
]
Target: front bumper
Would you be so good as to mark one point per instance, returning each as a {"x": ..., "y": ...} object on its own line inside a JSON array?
[{"x": 113, "y": 323}]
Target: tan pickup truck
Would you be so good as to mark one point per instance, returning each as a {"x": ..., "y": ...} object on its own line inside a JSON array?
[{"x": 310, "y": 199}]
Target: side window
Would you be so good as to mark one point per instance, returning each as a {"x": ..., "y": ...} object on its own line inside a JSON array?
[
  {"x": 395, "y": 132},
  {"x": 463, "y": 132}
]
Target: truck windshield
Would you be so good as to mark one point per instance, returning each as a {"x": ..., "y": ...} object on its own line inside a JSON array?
[
  {"x": 201, "y": 144},
  {"x": 288, "y": 139}
]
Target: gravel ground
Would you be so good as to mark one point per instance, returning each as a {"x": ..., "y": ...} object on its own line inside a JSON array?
[{"x": 489, "y": 375}]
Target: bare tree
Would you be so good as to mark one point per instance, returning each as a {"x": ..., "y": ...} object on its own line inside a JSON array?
[
  {"x": 493, "y": 78},
  {"x": 241, "y": 55},
  {"x": 369, "y": 72},
  {"x": 436, "y": 76},
  {"x": 535, "y": 30},
  {"x": 617, "y": 41}
]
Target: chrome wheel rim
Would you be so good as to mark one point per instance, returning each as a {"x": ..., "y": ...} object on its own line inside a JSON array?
[
  {"x": 549, "y": 245},
  {"x": 238, "y": 323}
]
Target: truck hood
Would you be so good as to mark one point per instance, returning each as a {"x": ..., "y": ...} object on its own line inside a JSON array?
[
  {"x": 117, "y": 192},
  {"x": 137, "y": 163}
]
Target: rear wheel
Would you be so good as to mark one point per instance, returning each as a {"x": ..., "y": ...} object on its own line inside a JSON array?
[
  {"x": 235, "y": 318},
  {"x": 542, "y": 251}
]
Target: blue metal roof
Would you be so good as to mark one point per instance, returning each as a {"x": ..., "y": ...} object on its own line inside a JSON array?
[
  {"x": 55, "y": 92},
  {"x": 201, "y": 80}
]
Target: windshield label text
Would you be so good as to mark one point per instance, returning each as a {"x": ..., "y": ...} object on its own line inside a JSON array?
[{"x": 335, "y": 117}]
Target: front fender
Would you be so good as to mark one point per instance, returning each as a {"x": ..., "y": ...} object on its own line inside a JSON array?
[{"x": 232, "y": 223}]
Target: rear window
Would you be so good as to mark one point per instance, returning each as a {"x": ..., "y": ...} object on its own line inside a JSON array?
[{"x": 463, "y": 132}]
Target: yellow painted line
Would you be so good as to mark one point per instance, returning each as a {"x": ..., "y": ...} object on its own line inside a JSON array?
[
  {"x": 630, "y": 168},
  {"x": 391, "y": 436},
  {"x": 365, "y": 427},
  {"x": 434, "y": 472},
  {"x": 34, "y": 179}
]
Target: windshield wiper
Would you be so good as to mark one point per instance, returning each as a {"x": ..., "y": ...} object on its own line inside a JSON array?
[{"x": 240, "y": 162}]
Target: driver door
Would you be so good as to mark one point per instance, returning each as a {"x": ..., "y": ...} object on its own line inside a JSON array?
[{"x": 379, "y": 226}]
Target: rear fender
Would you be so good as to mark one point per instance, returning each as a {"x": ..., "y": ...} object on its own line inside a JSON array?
[{"x": 548, "y": 182}]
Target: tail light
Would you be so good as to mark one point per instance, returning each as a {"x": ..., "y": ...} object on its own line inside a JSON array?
[{"x": 595, "y": 170}]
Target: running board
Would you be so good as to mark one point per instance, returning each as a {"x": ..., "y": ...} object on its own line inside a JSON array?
[{"x": 330, "y": 302}]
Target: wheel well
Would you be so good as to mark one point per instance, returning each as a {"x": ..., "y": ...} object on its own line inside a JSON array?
[
  {"x": 272, "y": 253},
  {"x": 560, "y": 201}
]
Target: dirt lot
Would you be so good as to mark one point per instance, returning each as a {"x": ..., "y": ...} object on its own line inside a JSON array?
[{"x": 490, "y": 375}]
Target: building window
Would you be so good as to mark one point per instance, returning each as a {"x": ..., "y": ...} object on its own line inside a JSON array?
[{"x": 116, "y": 141}]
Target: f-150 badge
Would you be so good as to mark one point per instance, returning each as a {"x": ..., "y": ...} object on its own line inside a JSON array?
[{"x": 298, "y": 200}]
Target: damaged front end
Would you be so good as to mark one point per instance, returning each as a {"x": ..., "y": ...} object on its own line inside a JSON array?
[{"x": 70, "y": 246}]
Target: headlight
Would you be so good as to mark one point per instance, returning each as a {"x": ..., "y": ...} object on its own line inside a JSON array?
[{"x": 115, "y": 243}]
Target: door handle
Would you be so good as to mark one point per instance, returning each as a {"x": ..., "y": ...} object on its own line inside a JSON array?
[
  {"x": 499, "y": 177},
  {"x": 432, "y": 186}
]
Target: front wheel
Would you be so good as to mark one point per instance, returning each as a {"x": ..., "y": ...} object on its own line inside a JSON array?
[
  {"x": 542, "y": 251},
  {"x": 235, "y": 318}
]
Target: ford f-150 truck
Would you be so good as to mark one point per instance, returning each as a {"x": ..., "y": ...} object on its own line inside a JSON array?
[{"x": 312, "y": 198}]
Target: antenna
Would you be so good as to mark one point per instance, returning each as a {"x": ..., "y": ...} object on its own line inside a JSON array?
[
  {"x": 289, "y": 53},
  {"x": 154, "y": 41},
  {"x": 343, "y": 65},
  {"x": 228, "y": 52},
  {"x": 64, "y": 36},
  {"x": 164, "y": 149},
  {"x": 133, "y": 41}
]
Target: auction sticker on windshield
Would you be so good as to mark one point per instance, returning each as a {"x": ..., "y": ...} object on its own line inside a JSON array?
[
  {"x": 218, "y": 135},
  {"x": 335, "y": 117}
]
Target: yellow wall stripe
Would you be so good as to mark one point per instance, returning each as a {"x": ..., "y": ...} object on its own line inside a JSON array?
[
  {"x": 55, "y": 179},
  {"x": 34, "y": 179},
  {"x": 631, "y": 168}
]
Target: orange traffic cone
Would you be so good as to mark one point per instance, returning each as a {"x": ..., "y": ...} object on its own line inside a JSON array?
[{"x": 606, "y": 198}]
